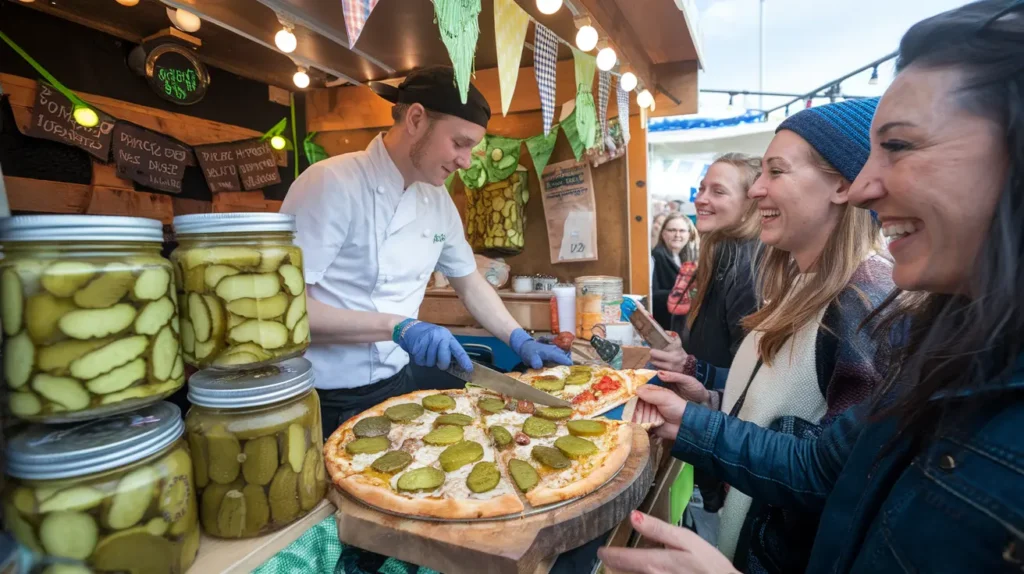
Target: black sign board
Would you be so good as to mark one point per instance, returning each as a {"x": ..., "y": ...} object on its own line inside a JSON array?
[
  {"x": 149, "y": 158},
  {"x": 52, "y": 119},
  {"x": 256, "y": 165},
  {"x": 176, "y": 75},
  {"x": 219, "y": 167}
]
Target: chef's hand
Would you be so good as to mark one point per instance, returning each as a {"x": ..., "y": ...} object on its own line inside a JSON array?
[
  {"x": 431, "y": 346},
  {"x": 684, "y": 551},
  {"x": 672, "y": 357},
  {"x": 666, "y": 403},
  {"x": 534, "y": 353},
  {"x": 687, "y": 387}
]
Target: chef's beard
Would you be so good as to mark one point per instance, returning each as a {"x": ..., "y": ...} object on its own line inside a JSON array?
[{"x": 419, "y": 148}]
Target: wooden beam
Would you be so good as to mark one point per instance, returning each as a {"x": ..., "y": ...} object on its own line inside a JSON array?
[
  {"x": 183, "y": 206},
  {"x": 680, "y": 80},
  {"x": 106, "y": 175},
  {"x": 611, "y": 23},
  {"x": 639, "y": 236},
  {"x": 232, "y": 201},
  {"x": 37, "y": 196},
  {"x": 114, "y": 201}
]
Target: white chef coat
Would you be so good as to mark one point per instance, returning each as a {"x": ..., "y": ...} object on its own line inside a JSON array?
[{"x": 370, "y": 245}]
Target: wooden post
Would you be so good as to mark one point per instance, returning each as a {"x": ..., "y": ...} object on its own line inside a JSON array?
[{"x": 639, "y": 236}]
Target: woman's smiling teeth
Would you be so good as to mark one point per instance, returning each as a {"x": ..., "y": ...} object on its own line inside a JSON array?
[
  {"x": 770, "y": 213},
  {"x": 705, "y": 212},
  {"x": 894, "y": 230}
]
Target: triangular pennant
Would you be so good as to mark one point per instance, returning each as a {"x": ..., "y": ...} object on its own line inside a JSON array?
[
  {"x": 571, "y": 131},
  {"x": 459, "y": 23},
  {"x": 603, "y": 84},
  {"x": 586, "y": 113},
  {"x": 622, "y": 99},
  {"x": 356, "y": 12},
  {"x": 510, "y": 24},
  {"x": 545, "y": 56},
  {"x": 540, "y": 147}
]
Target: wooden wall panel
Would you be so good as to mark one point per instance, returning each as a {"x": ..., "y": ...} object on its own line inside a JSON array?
[
  {"x": 114, "y": 201},
  {"x": 26, "y": 194},
  {"x": 639, "y": 207}
]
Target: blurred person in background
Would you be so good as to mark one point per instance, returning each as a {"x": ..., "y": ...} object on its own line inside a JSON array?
[{"x": 674, "y": 261}]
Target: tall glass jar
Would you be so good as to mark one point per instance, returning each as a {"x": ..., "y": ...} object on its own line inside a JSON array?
[
  {"x": 242, "y": 289},
  {"x": 258, "y": 447},
  {"x": 90, "y": 316},
  {"x": 109, "y": 496}
]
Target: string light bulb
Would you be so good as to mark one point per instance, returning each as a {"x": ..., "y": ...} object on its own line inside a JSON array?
[
  {"x": 606, "y": 59},
  {"x": 628, "y": 81},
  {"x": 184, "y": 20},
  {"x": 586, "y": 38},
  {"x": 86, "y": 116},
  {"x": 278, "y": 143},
  {"x": 128, "y": 3},
  {"x": 644, "y": 99},
  {"x": 301, "y": 78},
  {"x": 549, "y": 6},
  {"x": 285, "y": 40}
]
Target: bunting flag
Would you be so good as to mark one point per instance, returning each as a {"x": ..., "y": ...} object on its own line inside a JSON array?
[
  {"x": 356, "y": 12},
  {"x": 459, "y": 22},
  {"x": 603, "y": 85},
  {"x": 545, "y": 56},
  {"x": 586, "y": 113},
  {"x": 314, "y": 151},
  {"x": 571, "y": 130},
  {"x": 540, "y": 147},
  {"x": 510, "y": 24},
  {"x": 622, "y": 98}
]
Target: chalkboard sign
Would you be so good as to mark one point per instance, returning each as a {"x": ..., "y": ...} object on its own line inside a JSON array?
[
  {"x": 256, "y": 165},
  {"x": 219, "y": 167},
  {"x": 52, "y": 120},
  {"x": 176, "y": 75},
  {"x": 149, "y": 158}
]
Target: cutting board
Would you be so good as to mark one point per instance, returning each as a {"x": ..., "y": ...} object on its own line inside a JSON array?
[{"x": 514, "y": 546}]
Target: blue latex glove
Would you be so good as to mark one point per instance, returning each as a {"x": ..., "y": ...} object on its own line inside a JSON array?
[
  {"x": 431, "y": 346},
  {"x": 534, "y": 353}
]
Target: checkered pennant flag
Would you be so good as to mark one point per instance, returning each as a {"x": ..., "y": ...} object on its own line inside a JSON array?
[
  {"x": 622, "y": 97},
  {"x": 356, "y": 13},
  {"x": 603, "y": 85},
  {"x": 545, "y": 55}
]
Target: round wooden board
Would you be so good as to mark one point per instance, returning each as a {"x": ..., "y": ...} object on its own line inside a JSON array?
[{"x": 499, "y": 546}]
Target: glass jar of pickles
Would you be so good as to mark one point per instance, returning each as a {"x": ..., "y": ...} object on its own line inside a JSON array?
[
  {"x": 242, "y": 289},
  {"x": 90, "y": 316},
  {"x": 112, "y": 495},
  {"x": 258, "y": 447}
]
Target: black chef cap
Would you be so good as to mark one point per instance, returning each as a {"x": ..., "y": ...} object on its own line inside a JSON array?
[{"x": 434, "y": 88}]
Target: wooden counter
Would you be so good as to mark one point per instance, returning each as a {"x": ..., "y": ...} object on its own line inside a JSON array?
[{"x": 443, "y": 307}]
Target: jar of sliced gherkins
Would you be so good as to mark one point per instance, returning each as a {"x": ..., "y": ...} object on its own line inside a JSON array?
[
  {"x": 89, "y": 316},
  {"x": 258, "y": 447},
  {"x": 242, "y": 290},
  {"x": 111, "y": 495}
]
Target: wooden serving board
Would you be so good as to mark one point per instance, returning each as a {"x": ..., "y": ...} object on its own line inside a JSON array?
[{"x": 505, "y": 546}]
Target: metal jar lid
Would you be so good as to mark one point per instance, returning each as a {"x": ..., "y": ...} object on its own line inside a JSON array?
[
  {"x": 253, "y": 388},
  {"x": 49, "y": 452},
  {"x": 80, "y": 228},
  {"x": 233, "y": 223}
]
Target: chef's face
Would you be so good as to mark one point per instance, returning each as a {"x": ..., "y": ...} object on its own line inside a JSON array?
[{"x": 441, "y": 145}]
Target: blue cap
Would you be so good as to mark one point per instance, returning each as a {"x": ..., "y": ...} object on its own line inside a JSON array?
[{"x": 840, "y": 132}]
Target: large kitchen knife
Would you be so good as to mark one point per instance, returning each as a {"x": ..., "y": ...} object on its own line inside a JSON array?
[{"x": 490, "y": 379}]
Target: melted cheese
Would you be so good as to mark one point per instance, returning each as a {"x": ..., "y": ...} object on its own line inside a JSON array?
[
  {"x": 361, "y": 461},
  {"x": 511, "y": 420}
]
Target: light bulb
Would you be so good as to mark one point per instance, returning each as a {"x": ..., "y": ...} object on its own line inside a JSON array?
[
  {"x": 128, "y": 2},
  {"x": 27, "y": 1},
  {"x": 301, "y": 78},
  {"x": 644, "y": 99},
  {"x": 285, "y": 40},
  {"x": 628, "y": 81},
  {"x": 184, "y": 20},
  {"x": 606, "y": 59},
  {"x": 586, "y": 38},
  {"x": 549, "y": 6},
  {"x": 278, "y": 142},
  {"x": 86, "y": 116}
]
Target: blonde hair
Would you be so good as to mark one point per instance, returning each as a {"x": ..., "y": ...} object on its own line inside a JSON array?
[
  {"x": 785, "y": 310},
  {"x": 691, "y": 250},
  {"x": 748, "y": 228}
]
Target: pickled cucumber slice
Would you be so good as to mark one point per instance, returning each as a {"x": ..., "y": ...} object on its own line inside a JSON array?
[
  {"x": 78, "y": 498},
  {"x": 109, "y": 357},
  {"x": 189, "y": 549},
  {"x": 213, "y": 494},
  {"x": 578, "y": 376},
  {"x": 421, "y": 480},
  {"x": 438, "y": 403},
  {"x": 549, "y": 385},
  {"x": 19, "y": 354},
  {"x": 120, "y": 378},
  {"x": 217, "y": 322},
  {"x": 152, "y": 284},
  {"x": 392, "y": 462},
  {"x": 554, "y": 413},
  {"x": 232, "y": 256},
  {"x": 204, "y": 350},
  {"x": 444, "y": 435},
  {"x": 252, "y": 349},
  {"x": 21, "y": 529},
  {"x": 372, "y": 426},
  {"x": 295, "y": 312},
  {"x": 188, "y": 336},
  {"x": 301, "y": 332},
  {"x": 63, "y": 278},
  {"x": 176, "y": 502},
  {"x": 586, "y": 428},
  {"x": 293, "y": 280},
  {"x": 269, "y": 308},
  {"x": 523, "y": 474},
  {"x": 157, "y": 526},
  {"x": 456, "y": 419},
  {"x": 404, "y": 412},
  {"x": 132, "y": 498},
  {"x": 234, "y": 359},
  {"x": 460, "y": 454},
  {"x": 234, "y": 321},
  {"x": 135, "y": 551},
  {"x": 536, "y": 427},
  {"x": 199, "y": 313},
  {"x": 24, "y": 404},
  {"x": 283, "y": 496},
  {"x": 368, "y": 445},
  {"x": 42, "y": 313},
  {"x": 294, "y": 446},
  {"x": 178, "y": 371},
  {"x": 307, "y": 479},
  {"x": 257, "y": 510},
  {"x": 260, "y": 460},
  {"x": 64, "y": 391},
  {"x": 165, "y": 352},
  {"x": 231, "y": 515},
  {"x": 141, "y": 392},
  {"x": 249, "y": 286},
  {"x": 68, "y": 534},
  {"x": 62, "y": 568},
  {"x": 267, "y": 334},
  {"x": 214, "y": 273},
  {"x": 153, "y": 316},
  {"x": 272, "y": 259},
  {"x": 24, "y": 501},
  {"x": 12, "y": 301},
  {"x": 96, "y": 323},
  {"x": 197, "y": 447},
  {"x": 195, "y": 280},
  {"x": 223, "y": 450},
  {"x": 501, "y": 436},
  {"x": 483, "y": 478},
  {"x": 551, "y": 457},
  {"x": 575, "y": 447},
  {"x": 491, "y": 405},
  {"x": 109, "y": 287}
]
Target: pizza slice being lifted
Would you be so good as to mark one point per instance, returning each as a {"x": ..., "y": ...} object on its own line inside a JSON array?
[{"x": 591, "y": 390}]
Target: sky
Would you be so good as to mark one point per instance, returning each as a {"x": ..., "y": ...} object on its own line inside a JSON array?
[{"x": 807, "y": 43}]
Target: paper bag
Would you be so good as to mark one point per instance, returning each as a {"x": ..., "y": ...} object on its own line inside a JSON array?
[{"x": 567, "y": 192}]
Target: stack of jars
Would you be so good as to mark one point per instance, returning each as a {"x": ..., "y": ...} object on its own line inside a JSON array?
[{"x": 98, "y": 331}]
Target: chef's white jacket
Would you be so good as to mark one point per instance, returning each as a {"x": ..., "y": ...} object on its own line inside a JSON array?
[{"x": 370, "y": 245}]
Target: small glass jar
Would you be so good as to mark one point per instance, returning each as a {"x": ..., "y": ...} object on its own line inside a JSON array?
[
  {"x": 258, "y": 447},
  {"x": 112, "y": 495},
  {"x": 90, "y": 316},
  {"x": 242, "y": 289}
]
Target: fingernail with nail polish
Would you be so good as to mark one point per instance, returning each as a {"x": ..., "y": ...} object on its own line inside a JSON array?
[{"x": 637, "y": 517}]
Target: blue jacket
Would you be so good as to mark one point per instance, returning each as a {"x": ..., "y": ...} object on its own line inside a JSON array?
[{"x": 956, "y": 505}]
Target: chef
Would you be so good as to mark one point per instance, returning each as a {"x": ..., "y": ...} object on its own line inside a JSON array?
[{"x": 372, "y": 226}]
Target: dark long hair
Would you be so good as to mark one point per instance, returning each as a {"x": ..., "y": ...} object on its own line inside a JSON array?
[{"x": 958, "y": 342}]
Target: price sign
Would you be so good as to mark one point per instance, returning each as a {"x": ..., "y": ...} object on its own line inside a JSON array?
[
  {"x": 149, "y": 158},
  {"x": 568, "y": 198},
  {"x": 256, "y": 165},
  {"x": 52, "y": 120},
  {"x": 176, "y": 75},
  {"x": 219, "y": 166}
]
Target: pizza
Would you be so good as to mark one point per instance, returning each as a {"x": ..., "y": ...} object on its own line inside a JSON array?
[
  {"x": 591, "y": 390},
  {"x": 471, "y": 453}
]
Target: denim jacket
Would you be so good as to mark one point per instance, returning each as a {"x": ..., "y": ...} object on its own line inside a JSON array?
[{"x": 954, "y": 506}]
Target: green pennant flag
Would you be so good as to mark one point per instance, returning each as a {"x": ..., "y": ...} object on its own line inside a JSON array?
[
  {"x": 540, "y": 147},
  {"x": 586, "y": 109},
  {"x": 571, "y": 129},
  {"x": 458, "y": 21},
  {"x": 314, "y": 151}
]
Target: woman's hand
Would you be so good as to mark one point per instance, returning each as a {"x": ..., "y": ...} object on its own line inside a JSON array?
[
  {"x": 684, "y": 551},
  {"x": 687, "y": 387},
  {"x": 666, "y": 404},
  {"x": 672, "y": 357}
]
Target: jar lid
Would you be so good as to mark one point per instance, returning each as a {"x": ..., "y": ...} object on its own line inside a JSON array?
[
  {"x": 233, "y": 223},
  {"x": 252, "y": 388},
  {"x": 52, "y": 452},
  {"x": 80, "y": 228}
]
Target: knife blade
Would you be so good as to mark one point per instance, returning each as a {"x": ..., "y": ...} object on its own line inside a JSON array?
[{"x": 490, "y": 379}]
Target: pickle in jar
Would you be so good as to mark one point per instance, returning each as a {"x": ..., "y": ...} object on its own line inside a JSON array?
[
  {"x": 268, "y": 308},
  {"x": 109, "y": 286},
  {"x": 96, "y": 323},
  {"x": 231, "y": 515},
  {"x": 295, "y": 446},
  {"x": 223, "y": 450},
  {"x": 283, "y": 496},
  {"x": 260, "y": 460},
  {"x": 249, "y": 286},
  {"x": 152, "y": 284},
  {"x": 118, "y": 379},
  {"x": 307, "y": 483},
  {"x": 108, "y": 357},
  {"x": 68, "y": 534},
  {"x": 42, "y": 313},
  {"x": 24, "y": 404},
  {"x": 175, "y": 502},
  {"x": 64, "y": 391},
  {"x": 214, "y": 273},
  {"x": 257, "y": 509},
  {"x": 153, "y": 316},
  {"x": 137, "y": 551},
  {"x": 131, "y": 499},
  {"x": 237, "y": 257},
  {"x": 12, "y": 301},
  {"x": 266, "y": 334},
  {"x": 210, "y": 501},
  {"x": 19, "y": 354},
  {"x": 296, "y": 310},
  {"x": 63, "y": 278},
  {"x": 77, "y": 498}
]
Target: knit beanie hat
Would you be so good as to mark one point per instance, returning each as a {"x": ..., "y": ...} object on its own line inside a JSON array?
[{"x": 840, "y": 132}]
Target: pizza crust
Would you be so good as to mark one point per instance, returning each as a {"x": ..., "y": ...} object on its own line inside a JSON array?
[
  {"x": 460, "y": 509},
  {"x": 603, "y": 473}
]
